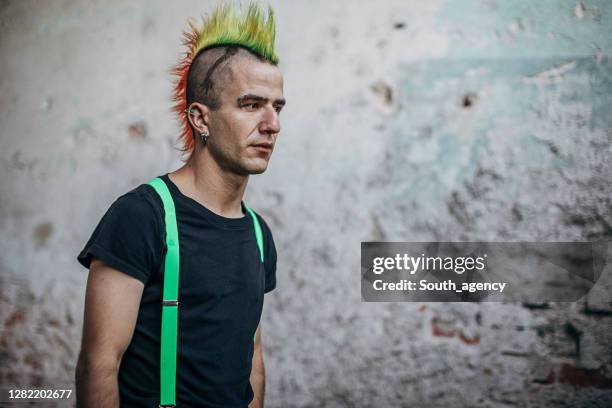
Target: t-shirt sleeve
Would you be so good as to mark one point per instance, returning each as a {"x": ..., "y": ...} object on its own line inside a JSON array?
[
  {"x": 269, "y": 257},
  {"x": 127, "y": 238}
]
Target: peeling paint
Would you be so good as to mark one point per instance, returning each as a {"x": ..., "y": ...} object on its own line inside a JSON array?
[{"x": 41, "y": 234}]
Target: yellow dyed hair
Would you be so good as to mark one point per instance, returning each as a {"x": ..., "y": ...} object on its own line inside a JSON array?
[{"x": 229, "y": 25}]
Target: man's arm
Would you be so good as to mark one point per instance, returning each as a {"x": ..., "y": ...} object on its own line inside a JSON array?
[
  {"x": 258, "y": 373},
  {"x": 112, "y": 301}
]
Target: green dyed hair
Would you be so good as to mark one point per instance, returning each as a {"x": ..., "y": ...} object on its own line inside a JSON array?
[{"x": 228, "y": 25}]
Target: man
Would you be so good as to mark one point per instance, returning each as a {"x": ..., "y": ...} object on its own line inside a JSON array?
[{"x": 229, "y": 96}]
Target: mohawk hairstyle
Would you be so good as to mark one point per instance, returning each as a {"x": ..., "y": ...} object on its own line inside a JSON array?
[{"x": 226, "y": 26}]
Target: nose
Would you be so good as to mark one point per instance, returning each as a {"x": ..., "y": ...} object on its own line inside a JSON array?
[{"x": 270, "y": 123}]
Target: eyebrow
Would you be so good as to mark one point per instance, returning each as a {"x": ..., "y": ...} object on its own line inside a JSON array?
[{"x": 253, "y": 97}]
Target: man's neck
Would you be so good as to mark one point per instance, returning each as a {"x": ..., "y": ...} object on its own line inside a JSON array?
[{"x": 203, "y": 180}]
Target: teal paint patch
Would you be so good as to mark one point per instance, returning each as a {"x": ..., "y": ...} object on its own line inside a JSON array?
[
  {"x": 525, "y": 118},
  {"x": 525, "y": 28},
  {"x": 535, "y": 152}
]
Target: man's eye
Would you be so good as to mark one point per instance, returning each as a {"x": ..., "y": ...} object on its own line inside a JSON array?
[
  {"x": 278, "y": 109},
  {"x": 250, "y": 105}
]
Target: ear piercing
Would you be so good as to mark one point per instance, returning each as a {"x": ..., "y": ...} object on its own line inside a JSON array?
[{"x": 204, "y": 136}]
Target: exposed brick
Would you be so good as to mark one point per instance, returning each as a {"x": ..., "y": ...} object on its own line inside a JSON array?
[
  {"x": 469, "y": 340},
  {"x": 15, "y": 318},
  {"x": 568, "y": 374},
  {"x": 438, "y": 330}
]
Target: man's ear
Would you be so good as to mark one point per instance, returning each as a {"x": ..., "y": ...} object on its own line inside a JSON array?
[{"x": 198, "y": 116}]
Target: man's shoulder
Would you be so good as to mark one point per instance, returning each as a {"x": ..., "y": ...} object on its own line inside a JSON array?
[
  {"x": 269, "y": 250},
  {"x": 140, "y": 202},
  {"x": 262, "y": 222},
  {"x": 265, "y": 228}
]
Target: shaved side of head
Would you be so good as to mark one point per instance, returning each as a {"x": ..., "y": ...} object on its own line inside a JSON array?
[{"x": 210, "y": 70}]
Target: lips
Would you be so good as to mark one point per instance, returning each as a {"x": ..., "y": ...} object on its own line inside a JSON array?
[{"x": 267, "y": 147}]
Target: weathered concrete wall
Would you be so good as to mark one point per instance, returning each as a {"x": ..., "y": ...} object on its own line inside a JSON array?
[{"x": 407, "y": 121}]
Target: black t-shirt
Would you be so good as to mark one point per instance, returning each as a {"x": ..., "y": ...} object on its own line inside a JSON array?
[{"x": 221, "y": 289}]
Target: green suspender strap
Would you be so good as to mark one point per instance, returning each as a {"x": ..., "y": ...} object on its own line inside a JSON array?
[
  {"x": 170, "y": 299},
  {"x": 170, "y": 293},
  {"x": 258, "y": 234}
]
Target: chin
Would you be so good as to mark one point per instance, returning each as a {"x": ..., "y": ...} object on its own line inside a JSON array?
[
  {"x": 256, "y": 166},
  {"x": 258, "y": 170}
]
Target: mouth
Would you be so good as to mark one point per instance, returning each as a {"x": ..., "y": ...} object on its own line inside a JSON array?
[{"x": 263, "y": 147}]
